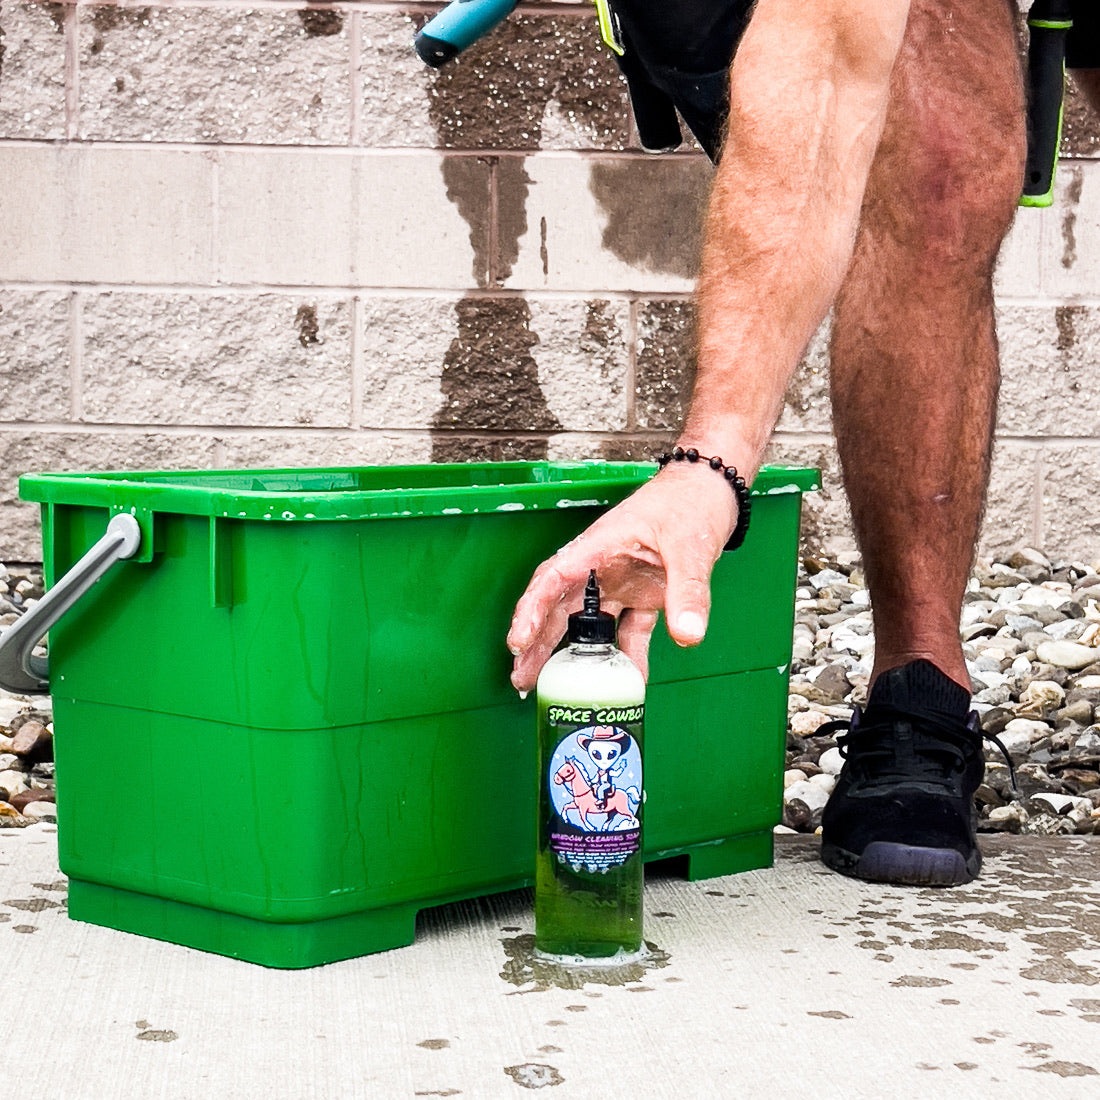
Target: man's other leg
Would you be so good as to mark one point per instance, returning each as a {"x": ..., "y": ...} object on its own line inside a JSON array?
[
  {"x": 914, "y": 388},
  {"x": 914, "y": 362}
]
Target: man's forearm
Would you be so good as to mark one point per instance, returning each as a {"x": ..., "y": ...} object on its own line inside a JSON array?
[{"x": 809, "y": 90}]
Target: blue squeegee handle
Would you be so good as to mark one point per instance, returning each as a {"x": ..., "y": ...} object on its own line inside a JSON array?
[
  {"x": 458, "y": 25},
  {"x": 1048, "y": 23}
]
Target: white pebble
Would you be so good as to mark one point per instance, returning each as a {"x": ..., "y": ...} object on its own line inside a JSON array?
[
  {"x": 1040, "y": 695},
  {"x": 831, "y": 761},
  {"x": 40, "y": 811},
  {"x": 814, "y": 796},
  {"x": 1088, "y": 743},
  {"x": 1063, "y": 803},
  {"x": 1067, "y": 654},
  {"x": 13, "y": 782},
  {"x": 807, "y": 723}
]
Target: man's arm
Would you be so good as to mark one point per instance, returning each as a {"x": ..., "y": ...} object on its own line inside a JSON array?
[{"x": 809, "y": 91}]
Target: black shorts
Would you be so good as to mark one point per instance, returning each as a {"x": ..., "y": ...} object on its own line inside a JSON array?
[
  {"x": 679, "y": 54},
  {"x": 1083, "y": 42}
]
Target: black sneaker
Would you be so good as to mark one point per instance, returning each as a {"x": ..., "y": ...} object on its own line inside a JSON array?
[{"x": 903, "y": 807}]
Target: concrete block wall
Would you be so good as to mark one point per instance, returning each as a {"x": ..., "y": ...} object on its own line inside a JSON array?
[{"x": 253, "y": 234}]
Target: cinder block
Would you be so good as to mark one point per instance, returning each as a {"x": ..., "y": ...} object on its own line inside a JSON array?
[
  {"x": 1071, "y": 228},
  {"x": 621, "y": 447},
  {"x": 403, "y": 345},
  {"x": 101, "y": 214},
  {"x": 23, "y": 452},
  {"x": 420, "y": 221},
  {"x": 1069, "y": 515},
  {"x": 1019, "y": 264},
  {"x": 202, "y": 74},
  {"x": 251, "y": 450},
  {"x": 206, "y": 360},
  {"x": 32, "y": 70},
  {"x": 286, "y": 217},
  {"x": 1011, "y": 517},
  {"x": 665, "y": 369},
  {"x": 395, "y": 83},
  {"x": 610, "y": 223},
  {"x": 536, "y": 82},
  {"x": 1050, "y": 357},
  {"x": 582, "y": 361},
  {"x": 34, "y": 355}
]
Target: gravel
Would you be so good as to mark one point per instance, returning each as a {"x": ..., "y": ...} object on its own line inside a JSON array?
[{"x": 1031, "y": 630}]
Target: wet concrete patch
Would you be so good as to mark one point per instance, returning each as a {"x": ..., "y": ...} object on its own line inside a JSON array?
[
  {"x": 534, "y": 1075},
  {"x": 525, "y": 968}
]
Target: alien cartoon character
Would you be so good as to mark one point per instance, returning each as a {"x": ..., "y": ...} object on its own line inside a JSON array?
[{"x": 605, "y": 747}]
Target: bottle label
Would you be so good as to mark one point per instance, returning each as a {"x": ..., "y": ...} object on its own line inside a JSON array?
[{"x": 595, "y": 783}]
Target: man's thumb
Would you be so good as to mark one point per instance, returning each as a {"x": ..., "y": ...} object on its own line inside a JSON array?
[{"x": 687, "y": 608}]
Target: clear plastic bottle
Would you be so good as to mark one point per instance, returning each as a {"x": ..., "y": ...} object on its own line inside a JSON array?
[{"x": 589, "y": 872}]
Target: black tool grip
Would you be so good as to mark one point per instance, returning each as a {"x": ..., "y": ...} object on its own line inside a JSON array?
[{"x": 1048, "y": 24}]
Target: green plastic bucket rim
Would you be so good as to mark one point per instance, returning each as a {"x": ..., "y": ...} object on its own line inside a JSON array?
[{"x": 370, "y": 492}]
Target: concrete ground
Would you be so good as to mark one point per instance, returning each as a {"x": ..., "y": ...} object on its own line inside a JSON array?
[{"x": 785, "y": 982}]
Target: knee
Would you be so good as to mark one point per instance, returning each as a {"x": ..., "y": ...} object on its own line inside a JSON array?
[{"x": 955, "y": 188}]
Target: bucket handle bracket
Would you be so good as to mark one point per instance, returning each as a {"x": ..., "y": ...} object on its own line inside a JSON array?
[{"x": 23, "y": 671}]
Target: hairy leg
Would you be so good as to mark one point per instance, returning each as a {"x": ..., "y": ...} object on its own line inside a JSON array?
[{"x": 914, "y": 359}]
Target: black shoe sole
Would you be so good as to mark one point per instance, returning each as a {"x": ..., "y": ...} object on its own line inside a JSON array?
[{"x": 904, "y": 864}]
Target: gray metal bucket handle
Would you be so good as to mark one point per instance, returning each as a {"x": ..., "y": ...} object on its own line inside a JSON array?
[{"x": 21, "y": 670}]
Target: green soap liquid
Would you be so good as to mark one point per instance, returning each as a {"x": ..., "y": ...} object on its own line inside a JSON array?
[{"x": 580, "y": 912}]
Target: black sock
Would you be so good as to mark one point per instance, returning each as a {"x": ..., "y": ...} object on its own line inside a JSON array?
[{"x": 920, "y": 687}]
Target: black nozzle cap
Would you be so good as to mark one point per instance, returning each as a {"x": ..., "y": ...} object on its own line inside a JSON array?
[
  {"x": 591, "y": 626},
  {"x": 434, "y": 51}
]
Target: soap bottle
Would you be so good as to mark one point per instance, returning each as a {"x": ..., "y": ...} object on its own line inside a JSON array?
[{"x": 589, "y": 873}]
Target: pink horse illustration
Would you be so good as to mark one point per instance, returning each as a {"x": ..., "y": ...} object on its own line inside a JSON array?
[{"x": 585, "y": 801}]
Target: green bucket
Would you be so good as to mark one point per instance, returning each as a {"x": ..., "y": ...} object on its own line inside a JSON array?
[{"x": 305, "y": 674}]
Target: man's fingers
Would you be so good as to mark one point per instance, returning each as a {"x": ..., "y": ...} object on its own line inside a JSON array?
[
  {"x": 687, "y": 607},
  {"x": 542, "y": 602},
  {"x": 635, "y": 632},
  {"x": 526, "y": 667}
]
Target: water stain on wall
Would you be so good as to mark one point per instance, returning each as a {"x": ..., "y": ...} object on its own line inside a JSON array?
[
  {"x": 495, "y": 97},
  {"x": 490, "y": 379},
  {"x": 106, "y": 18},
  {"x": 307, "y": 326},
  {"x": 1065, "y": 319},
  {"x": 654, "y": 212},
  {"x": 512, "y": 185},
  {"x": 56, "y": 12},
  {"x": 665, "y": 366},
  {"x": 1069, "y": 218},
  {"x": 320, "y": 22},
  {"x": 469, "y": 187}
]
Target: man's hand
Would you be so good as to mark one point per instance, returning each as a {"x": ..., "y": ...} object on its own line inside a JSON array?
[{"x": 654, "y": 551}]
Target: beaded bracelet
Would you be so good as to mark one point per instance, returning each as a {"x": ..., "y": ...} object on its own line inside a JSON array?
[{"x": 737, "y": 484}]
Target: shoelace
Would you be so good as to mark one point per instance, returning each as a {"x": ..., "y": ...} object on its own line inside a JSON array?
[{"x": 938, "y": 744}]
